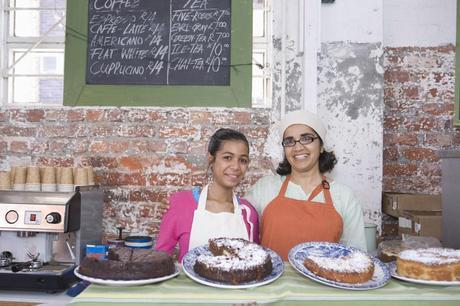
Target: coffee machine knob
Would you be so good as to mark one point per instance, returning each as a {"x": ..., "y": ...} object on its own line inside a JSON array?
[
  {"x": 11, "y": 216},
  {"x": 53, "y": 218}
]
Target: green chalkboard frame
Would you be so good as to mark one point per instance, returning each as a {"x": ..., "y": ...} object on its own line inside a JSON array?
[
  {"x": 457, "y": 72},
  {"x": 78, "y": 93}
]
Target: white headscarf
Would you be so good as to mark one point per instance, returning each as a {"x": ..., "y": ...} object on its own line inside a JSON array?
[{"x": 306, "y": 118}]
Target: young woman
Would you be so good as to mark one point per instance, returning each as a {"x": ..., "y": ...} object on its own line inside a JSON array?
[
  {"x": 214, "y": 211},
  {"x": 301, "y": 204}
]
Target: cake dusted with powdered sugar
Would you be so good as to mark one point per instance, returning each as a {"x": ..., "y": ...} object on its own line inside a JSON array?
[
  {"x": 234, "y": 261},
  {"x": 437, "y": 264},
  {"x": 353, "y": 267}
]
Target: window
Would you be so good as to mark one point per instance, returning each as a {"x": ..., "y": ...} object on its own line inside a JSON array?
[
  {"x": 261, "y": 72},
  {"x": 32, "y": 53}
]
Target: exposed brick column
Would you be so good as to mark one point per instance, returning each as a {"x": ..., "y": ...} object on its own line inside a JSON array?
[{"x": 419, "y": 103}]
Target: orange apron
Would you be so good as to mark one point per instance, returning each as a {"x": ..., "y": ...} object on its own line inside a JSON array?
[{"x": 287, "y": 222}]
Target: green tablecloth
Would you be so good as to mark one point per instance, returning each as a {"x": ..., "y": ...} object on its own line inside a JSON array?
[{"x": 290, "y": 289}]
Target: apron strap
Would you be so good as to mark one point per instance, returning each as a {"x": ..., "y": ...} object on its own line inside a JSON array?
[
  {"x": 326, "y": 191},
  {"x": 202, "y": 198},
  {"x": 284, "y": 186},
  {"x": 324, "y": 186}
]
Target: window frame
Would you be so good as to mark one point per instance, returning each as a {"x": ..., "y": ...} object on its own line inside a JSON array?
[
  {"x": 264, "y": 44},
  {"x": 10, "y": 44}
]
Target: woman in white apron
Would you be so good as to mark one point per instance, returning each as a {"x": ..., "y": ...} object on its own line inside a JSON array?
[{"x": 195, "y": 216}]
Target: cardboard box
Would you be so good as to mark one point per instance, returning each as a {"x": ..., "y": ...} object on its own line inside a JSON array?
[
  {"x": 390, "y": 229},
  {"x": 394, "y": 203},
  {"x": 421, "y": 223}
]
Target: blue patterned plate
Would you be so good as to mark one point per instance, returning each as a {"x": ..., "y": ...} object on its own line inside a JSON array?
[
  {"x": 189, "y": 261},
  {"x": 327, "y": 249}
]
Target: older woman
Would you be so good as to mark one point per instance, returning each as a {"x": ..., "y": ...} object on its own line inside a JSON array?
[{"x": 301, "y": 204}]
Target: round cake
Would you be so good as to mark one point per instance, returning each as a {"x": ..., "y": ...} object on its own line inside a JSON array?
[
  {"x": 128, "y": 264},
  {"x": 438, "y": 264},
  {"x": 234, "y": 261},
  {"x": 354, "y": 267}
]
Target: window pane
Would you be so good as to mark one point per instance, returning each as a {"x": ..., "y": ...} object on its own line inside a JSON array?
[
  {"x": 30, "y": 90},
  {"x": 52, "y": 4},
  {"x": 258, "y": 59},
  {"x": 24, "y": 3},
  {"x": 51, "y": 90},
  {"x": 258, "y": 25},
  {"x": 258, "y": 91},
  {"x": 258, "y": 4},
  {"x": 28, "y": 22},
  {"x": 38, "y": 61},
  {"x": 24, "y": 89},
  {"x": 35, "y": 23}
]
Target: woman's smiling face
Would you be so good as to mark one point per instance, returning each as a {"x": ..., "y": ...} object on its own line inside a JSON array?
[
  {"x": 302, "y": 158},
  {"x": 230, "y": 163}
]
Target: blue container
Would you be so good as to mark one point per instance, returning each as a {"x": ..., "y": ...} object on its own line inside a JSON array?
[
  {"x": 98, "y": 251},
  {"x": 139, "y": 242}
]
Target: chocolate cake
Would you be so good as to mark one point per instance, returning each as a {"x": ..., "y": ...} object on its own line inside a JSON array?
[
  {"x": 128, "y": 264},
  {"x": 234, "y": 261}
]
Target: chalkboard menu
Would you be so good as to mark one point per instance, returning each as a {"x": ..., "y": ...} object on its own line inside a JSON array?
[
  {"x": 159, "y": 42},
  {"x": 198, "y": 57}
]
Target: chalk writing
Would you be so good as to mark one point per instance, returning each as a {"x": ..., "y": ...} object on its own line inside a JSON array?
[{"x": 161, "y": 42}]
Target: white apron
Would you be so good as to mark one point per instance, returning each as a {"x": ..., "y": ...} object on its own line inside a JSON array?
[{"x": 208, "y": 225}]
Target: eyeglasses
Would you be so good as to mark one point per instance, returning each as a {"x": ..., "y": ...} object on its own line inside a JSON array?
[{"x": 303, "y": 140}]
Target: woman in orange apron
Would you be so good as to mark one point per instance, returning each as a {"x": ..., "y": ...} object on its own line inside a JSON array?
[{"x": 301, "y": 204}]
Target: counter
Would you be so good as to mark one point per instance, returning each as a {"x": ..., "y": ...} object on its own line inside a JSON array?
[
  {"x": 34, "y": 298},
  {"x": 291, "y": 288}
]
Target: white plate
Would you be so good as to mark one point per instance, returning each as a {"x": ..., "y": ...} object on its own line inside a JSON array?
[
  {"x": 298, "y": 253},
  {"x": 123, "y": 283},
  {"x": 394, "y": 273},
  {"x": 189, "y": 261}
]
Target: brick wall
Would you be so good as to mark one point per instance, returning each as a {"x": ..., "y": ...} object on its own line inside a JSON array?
[
  {"x": 419, "y": 102},
  {"x": 140, "y": 155}
]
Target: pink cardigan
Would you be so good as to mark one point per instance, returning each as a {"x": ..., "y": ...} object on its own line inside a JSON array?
[{"x": 177, "y": 222}]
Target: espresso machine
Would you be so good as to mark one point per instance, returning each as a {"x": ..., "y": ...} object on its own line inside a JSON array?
[{"x": 43, "y": 236}]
